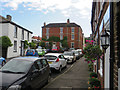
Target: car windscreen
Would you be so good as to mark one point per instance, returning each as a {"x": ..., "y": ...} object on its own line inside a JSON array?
[
  {"x": 17, "y": 66},
  {"x": 39, "y": 50},
  {"x": 67, "y": 53},
  {"x": 29, "y": 51},
  {"x": 50, "y": 57}
]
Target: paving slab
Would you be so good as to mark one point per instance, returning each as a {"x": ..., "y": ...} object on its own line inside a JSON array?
[{"x": 75, "y": 78}]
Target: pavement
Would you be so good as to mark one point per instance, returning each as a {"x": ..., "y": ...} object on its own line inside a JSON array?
[{"x": 76, "y": 77}]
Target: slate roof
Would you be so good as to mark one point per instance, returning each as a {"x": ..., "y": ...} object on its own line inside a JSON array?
[
  {"x": 61, "y": 25},
  {"x": 5, "y": 20}
]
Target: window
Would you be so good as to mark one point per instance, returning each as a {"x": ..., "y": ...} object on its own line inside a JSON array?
[
  {"x": 44, "y": 63},
  {"x": 72, "y": 44},
  {"x": 47, "y": 30},
  {"x": 72, "y": 30},
  {"x": 28, "y": 36},
  {"x": 47, "y": 36},
  {"x": 39, "y": 64},
  {"x": 15, "y": 32},
  {"x": 22, "y": 34},
  {"x": 61, "y": 30},
  {"x": 15, "y": 45},
  {"x": 61, "y": 36},
  {"x": 72, "y": 37}
]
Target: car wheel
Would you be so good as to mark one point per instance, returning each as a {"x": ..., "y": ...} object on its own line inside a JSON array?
[
  {"x": 60, "y": 69},
  {"x": 48, "y": 79},
  {"x": 3, "y": 63}
]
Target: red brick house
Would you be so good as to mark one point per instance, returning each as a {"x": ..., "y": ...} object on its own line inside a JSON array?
[{"x": 72, "y": 31}]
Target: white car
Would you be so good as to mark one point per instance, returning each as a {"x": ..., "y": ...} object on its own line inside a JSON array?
[
  {"x": 77, "y": 54},
  {"x": 56, "y": 61},
  {"x": 69, "y": 56}
]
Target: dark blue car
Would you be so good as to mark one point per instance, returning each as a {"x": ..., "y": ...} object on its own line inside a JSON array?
[
  {"x": 2, "y": 61},
  {"x": 31, "y": 52}
]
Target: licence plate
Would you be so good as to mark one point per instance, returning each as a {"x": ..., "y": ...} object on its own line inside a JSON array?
[{"x": 50, "y": 62}]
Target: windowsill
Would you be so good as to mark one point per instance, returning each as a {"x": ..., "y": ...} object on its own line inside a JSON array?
[
  {"x": 14, "y": 51},
  {"x": 100, "y": 72}
]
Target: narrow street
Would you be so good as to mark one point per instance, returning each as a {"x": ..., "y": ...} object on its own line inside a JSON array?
[{"x": 75, "y": 77}]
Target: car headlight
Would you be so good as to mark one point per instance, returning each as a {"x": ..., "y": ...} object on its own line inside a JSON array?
[{"x": 14, "y": 87}]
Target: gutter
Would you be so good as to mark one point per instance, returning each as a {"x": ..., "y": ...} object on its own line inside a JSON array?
[{"x": 111, "y": 45}]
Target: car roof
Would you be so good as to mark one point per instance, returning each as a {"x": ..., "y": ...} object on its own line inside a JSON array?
[
  {"x": 29, "y": 58},
  {"x": 53, "y": 54}
]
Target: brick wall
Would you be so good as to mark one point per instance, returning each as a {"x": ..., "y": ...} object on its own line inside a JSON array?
[{"x": 55, "y": 31}]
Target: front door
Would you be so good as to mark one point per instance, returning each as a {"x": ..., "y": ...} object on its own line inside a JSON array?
[{"x": 22, "y": 49}]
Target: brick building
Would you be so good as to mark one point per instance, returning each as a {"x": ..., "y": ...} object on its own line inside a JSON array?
[
  {"x": 106, "y": 17},
  {"x": 72, "y": 31}
]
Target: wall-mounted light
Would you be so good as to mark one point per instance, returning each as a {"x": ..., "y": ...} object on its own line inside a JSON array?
[{"x": 105, "y": 39}]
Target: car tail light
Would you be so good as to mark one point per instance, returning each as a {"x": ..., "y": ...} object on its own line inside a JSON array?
[
  {"x": 33, "y": 53},
  {"x": 57, "y": 60}
]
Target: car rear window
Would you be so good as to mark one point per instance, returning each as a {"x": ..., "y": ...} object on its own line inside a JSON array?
[
  {"x": 30, "y": 51},
  {"x": 50, "y": 57}
]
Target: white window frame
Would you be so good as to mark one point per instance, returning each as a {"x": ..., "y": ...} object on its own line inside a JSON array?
[
  {"x": 61, "y": 36},
  {"x": 72, "y": 44},
  {"x": 47, "y": 36},
  {"x": 101, "y": 68},
  {"x": 61, "y": 30},
  {"x": 72, "y": 38},
  {"x": 15, "y": 31},
  {"x": 47, "y": 30},
  {"x": 15, "y": 46},
  {"x": 72, "y": 29},
  {"x": 22, "y": 34}
]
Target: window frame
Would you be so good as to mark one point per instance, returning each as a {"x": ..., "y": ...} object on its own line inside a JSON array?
[
  {"x": 72, "y": 38},
  {"x": 15, "y": 31},
  {"x": 15, "y": 48}
]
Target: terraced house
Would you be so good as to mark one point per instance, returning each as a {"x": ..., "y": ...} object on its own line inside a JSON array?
[
  {"x": 17, "y": 35},
  {"x": 105, "y": 23},
  {"x": 72, "y": 31}
]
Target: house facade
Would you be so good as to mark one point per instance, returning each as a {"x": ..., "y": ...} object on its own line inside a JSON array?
[
  {"x": 17, "y": 35},
  {"x": 106, "y": 18},
  {"x": 72, "y": 31}
]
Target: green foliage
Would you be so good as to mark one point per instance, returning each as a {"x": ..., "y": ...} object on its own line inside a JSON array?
[
  {"x": 90, "y": 66},
  {"x": 5, "y": 42},
  {"x": 54, "y": 39},
  {"x": 26, "y": 44},
  {"x": 92, "y": 52},
  {"x": 42, "y": 44},
  {"x": 64, "y": 43},
  {"x": 94, "y": 82},
  {"x": 93, "y": 74},
  {"x": 32, "y": 45}
]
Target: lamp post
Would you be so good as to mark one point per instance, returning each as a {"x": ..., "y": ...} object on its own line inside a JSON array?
[{"x": 105, "y": 39}]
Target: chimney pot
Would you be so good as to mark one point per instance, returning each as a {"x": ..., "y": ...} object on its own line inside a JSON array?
[
  {"x": 68, "y": 21},
  {"x": 44, "y": 24},
  {"x": 9, "y": 17}
]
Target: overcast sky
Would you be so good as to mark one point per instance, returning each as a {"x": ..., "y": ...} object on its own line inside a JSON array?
[{"x": 31, "y": 14}]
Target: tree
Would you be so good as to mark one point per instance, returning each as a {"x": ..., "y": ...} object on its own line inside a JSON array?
[
  {"x": 26, "y": 44},
  {"x": 42, "y": 44},
  {"x": 64, "y": 42},
  {"x": 32, "y": 45},
  {"x": 5, "y": 42}
]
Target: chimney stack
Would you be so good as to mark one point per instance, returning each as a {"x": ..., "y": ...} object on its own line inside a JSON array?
[
  {"x": 44, "y": 24},
  {"x": 9, "y": 17},
  {"x": 68, "y": 21}
]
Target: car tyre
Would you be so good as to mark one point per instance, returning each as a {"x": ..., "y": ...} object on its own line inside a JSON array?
[
  {"x": 48, "y": 79},
  {"x": 60, "y": 69},
  {"x": 3, "y": 63}
]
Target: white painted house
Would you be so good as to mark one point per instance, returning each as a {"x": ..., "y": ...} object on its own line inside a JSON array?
[{"x": 17, "y": 35}]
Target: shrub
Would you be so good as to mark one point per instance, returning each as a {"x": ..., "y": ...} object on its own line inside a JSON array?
[
  {"x": 94, "y": 82},
  {"x": 93, "y": 74}
]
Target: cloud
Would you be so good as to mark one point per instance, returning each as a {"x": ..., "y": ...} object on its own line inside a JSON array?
[{"x": 67, "y": 7}]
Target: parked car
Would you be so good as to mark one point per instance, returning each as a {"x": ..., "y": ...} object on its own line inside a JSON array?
[
  {"x": 31, "y": 52},
  {"x": 56, "y": 61},
  {"x": 2, "y": 61},
  {"x": 77, "y": 54},
  {"x": 24, "y": 73},
  {"x": 45, "y": 50},
  {"x": 69, "y": 56},
  {"x": 41, "y": 52},
  {"x": 71, "y": 49},
  {"x": 55, "y": 49}
]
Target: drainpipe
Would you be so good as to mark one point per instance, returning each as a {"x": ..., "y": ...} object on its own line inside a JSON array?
[{"x": 111, "y": 45}]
